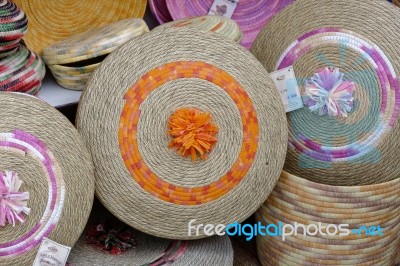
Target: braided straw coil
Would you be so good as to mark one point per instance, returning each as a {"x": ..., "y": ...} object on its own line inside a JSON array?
[
  {"x": 251, "y": 15},
  {"x": 13, "y": 25},
  {"x": 73, "y": 60},
  {"x": 46, "y": 27},
  {"x": 46, "y": 152},
  {"x": 160, "y": 10},
  {"x": 361, "y": 148},
  {"x": 218, "y": 24},
  {"x": 323, "y": 249},
  {"x": 151, "y": 250},
  {"x": 22, "y": 71},
  {"x": 124, "y": 114}
]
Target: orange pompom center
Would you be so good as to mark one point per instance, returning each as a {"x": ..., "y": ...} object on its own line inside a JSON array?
[{"x": 193, "y": 132}]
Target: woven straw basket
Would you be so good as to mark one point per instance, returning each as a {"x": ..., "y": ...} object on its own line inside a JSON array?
[
  {"x": 23, "y": 71},
  {"x": 73, "y": 60},
  {"x": 125, "y": 114},
  {"x": 53, "y": 20},
  {"x": 323, "y": 249},
  {"x": 13, "y": 25},
  {"x": 151, "y": 250},
  {"x": 160, "y": 10},
  {"x": 345, "y": 64},
  {"x": 41, "y": 148},
  {"x": 218, "y": 24},
  {"x": 251, "y": 15}
]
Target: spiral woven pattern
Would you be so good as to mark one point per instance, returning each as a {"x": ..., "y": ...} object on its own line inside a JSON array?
[
  {"x": 360, "y": 148},
  {"x": 22, "y": 71},
  {"x": 47, "y": 153},
  {"x": 46, "y": 27},
  {"x": 123, "y": 115},
  {"x": 13, "y": 25},
  {"x": 218, "y": 24},
  {"x": 290, "y": 202},
  {"x": 160, "y": 10},
  {"x": 154, "y": 251},
  {"x": 250, "y": 15}
]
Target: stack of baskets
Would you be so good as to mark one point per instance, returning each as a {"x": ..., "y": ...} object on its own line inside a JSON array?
[
  {"x": 21, "y": 70},
  {"x": 341, "y": 167}
]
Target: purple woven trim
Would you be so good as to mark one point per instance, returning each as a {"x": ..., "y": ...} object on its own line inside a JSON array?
[
  {"x": 31, "y": 145},
  {"x": 160, "y": 11},
  {"x": 251, "y": 15}
]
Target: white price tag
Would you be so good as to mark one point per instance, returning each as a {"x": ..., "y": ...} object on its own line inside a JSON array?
[
  {"x": 286, "y": 82},
  {"x": 223, "y": 8},
  {"x": 51, "y": 253}
]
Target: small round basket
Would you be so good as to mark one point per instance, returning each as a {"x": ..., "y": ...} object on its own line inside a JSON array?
[
  {"x": 347, "y": 69},
  {"x": 250, "y": 15},
  {"x": 46, "y": 179},
  {"x": 53, "y": 20},
  {"x": 73, "y": 60},
  {"x": 326, "y": 246},
  {"x": 22, "y": 71},
  {"x": 182, "y": 131},
  {"x": 218, "y": 24}
]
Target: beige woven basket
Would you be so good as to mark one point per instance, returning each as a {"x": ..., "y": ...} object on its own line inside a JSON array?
[
  {"x": 125, "y": 112},
  {"x": 355, "y": 248},
  {"x": 41, "y": 148},
  {"x": 52, "y": 20},
  {"x": 347, "y": 69}
]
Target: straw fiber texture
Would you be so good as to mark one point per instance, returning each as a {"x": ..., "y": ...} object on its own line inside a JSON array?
[
  {"x": 73, "y": 60},
  {"x": 211, "y": 251},
  {"x": 123, "y": 116},
  {"x": 310, "y": 35},
  {"x": 54, "y": 20},
  {"x": 290, "y": 203},
  {"x": 251, "y": 15},
  {"x": 160, "y": 10},
  {"x": 218, "y": 24},
  {"x": 47, "y": 153}
]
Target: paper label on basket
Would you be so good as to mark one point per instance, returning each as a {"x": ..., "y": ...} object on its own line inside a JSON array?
[
  {"x": 51, "y": 253},
  {"x": 223, "y": 8},
  {"x": 286, "y": 83}
]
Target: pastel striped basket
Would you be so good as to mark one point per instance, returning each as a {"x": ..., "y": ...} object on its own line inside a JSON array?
[{"x": 297, "y": 200}]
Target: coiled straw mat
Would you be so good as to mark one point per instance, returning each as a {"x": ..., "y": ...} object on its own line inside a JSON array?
[
  {"x": 136, "y": 95},
  {"x": 53, "y": 20},
  {"x": 297, "y": 200},
  {"x": 345, "y": 64},
  {"x": 73, "y": 60},
  {"x": 153, "y": 251},
  {"x": 251, "y": 15},
  {"x": 13, "y": 25},
  {"x": 42, "y": 149},
  {"x": 22, "y": 71},
  {"x": 160, "y": 10},
  {"x": 218, "y": 24}
]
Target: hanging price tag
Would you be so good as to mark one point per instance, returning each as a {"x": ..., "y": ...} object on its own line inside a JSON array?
[
  {"x": 286, "y": 82},
  {"x": 223, "y": 8},
  {"x": 51, "y": 253}
]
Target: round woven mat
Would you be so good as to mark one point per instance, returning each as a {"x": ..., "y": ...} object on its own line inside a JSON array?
[
  {"x": 160, "y": 10},
  {"x": 46, "y": 152},
  {"x": 46, "y": 27},
  {"x": 361, "y": 148},
  {"x": 250, "y": 15},
  {"x": 13, "y": 25},
  {"x": 325, "y": 249},
  {"x": 218, "y": 24},
  {"x": 22, "y": 71},
  {"x": 151, "y": 250},
  {"x": 123, "y": 116}
]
